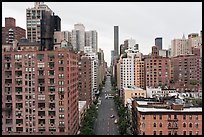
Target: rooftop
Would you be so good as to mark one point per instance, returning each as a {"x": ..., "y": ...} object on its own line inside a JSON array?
[
  {"x": 191, "y": 109},
  {"x": 132, "y": 88}
]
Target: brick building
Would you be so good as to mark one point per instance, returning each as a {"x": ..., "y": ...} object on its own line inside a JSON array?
[
  {"x": 11, "y": 32},
  {"x": 186, "y": 72},
  {"x": 157, "y": 69},
  {"x": 85, "y": 90},
  {"x": 162, "y": 119},
  {"x": 39, "y": 91}
]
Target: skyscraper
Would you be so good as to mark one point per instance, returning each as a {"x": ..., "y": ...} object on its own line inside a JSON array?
[
  {"x": 116, "y": 41},
  {"x": 158, "y": 42},
  {"x": 41, "y": 24},
  {"x": 33, "y": 21},
  {"x": 112, "y": 56},
  {"x": 78, "y": 37},
  {"x": 91, "y": 39}
]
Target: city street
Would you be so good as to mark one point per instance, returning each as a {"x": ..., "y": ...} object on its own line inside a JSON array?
[{"x": 104, "y": 124}]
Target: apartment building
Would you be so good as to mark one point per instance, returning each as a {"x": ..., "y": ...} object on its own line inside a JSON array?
[
  {"x": 39, "y": 91},
  {"x": 187, "y": 72},
  {"x": 85, "y": 80},
  {"x": 131, "y": 92},
  {"x": 157, "y": 69},
  {"x": 153, "y": 118},
  {"x": 184, "y": 46},
  {"x": 139, "y": 72}
]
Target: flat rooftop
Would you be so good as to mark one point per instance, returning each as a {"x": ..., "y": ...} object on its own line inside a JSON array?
[{"x": 191, "y": 109}]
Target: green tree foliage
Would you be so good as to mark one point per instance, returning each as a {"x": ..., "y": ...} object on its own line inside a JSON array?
[
  {"x": 123, "y": 125},
  {"x": 88, "y": 121},
  {"x": 194, "y": 82},
  {"x": 197, "y": 102}
]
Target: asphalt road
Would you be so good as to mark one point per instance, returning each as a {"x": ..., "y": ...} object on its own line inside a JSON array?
[{"x": 104, "y": 124}]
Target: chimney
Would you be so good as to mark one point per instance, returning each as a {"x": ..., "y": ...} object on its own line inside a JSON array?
[{"x": 10, "y": 22}]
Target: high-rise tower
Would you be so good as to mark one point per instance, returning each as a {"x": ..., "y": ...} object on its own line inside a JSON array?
[
  {"x": 158, "y": 42},
  {"x": 116, "y": 41}
]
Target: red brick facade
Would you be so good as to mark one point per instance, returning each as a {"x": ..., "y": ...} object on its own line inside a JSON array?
[
  {"x": 41, "y": 87},
  {"x": 166, "y": 122}
]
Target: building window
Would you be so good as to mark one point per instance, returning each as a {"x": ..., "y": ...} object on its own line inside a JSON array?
[
  {"x": 61, "y": 123},
  {"x": 143, "y": 133},
  {"x": 160, "y": 132},
  {"x": 40, "y": 56},
  {"x": 169, "y": 132},
  {"x": 41, "y": 65},
  {"x": 175, "y": 116},
  {"x": 184, "y": 132},
  {"x": 160, "y": 117},
  {"x": 196, "y": 117},
  {"x": 155, "y": 132},
  {"x": 51, "y": 72},
  {"x": 169, "y": 116},
  {"x": 190, "y": 117},
  {"x": 61, "y": 75},
  {"x": 184, "y": 124},
  {"x": 175, "y": 124},
  {"x": 61, "y": 61},
  {"x": 143, "y": 117},
  {"x": 196, "y": 133},
  {"x": 155, "y": 125},
  {"x": 61, "y": 83},
  {"x": 196, "y": 125},
  {"x": 61, "y": 109},
  {"x": 41, "y": 72},
  {"x": 18, "y": 57},
  {"x": 143, "y": 125},
  {"x": 169, "y": 124},
  {"x": 61, "y": 116},
  {"x": 190, "y": 124},
  {"x": 51, "y": 81},
  {"x": 184, "y": 117},
  {"x": 175, "y": 132},
  {"x": 190, "y": 132},
  {"x": 160, "y": 124},
  {"x": 61, "y": 103},
  {"x": 154, "y": 116},
  {"x": 61, "y": 68},
  {"x": 61, "y": 89},
  {"x": 51, "y": 64}
]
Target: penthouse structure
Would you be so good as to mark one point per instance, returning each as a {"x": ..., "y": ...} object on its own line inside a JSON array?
[
  {"x": 11, "y": 32},
  {"x": 39, "y": 91}
]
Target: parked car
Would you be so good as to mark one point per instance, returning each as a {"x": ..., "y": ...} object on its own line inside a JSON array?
[
  {"x": 116, "y": 121},
  {"x": 112, "y": 116}
]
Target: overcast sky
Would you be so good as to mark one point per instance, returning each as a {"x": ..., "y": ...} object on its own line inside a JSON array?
[{"x": 140, "y": 21}]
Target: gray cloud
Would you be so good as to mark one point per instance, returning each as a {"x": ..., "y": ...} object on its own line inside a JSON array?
[{"x": 140, "y": 21}]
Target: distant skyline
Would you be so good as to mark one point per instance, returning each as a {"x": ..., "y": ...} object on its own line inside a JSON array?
[{"x": 142, "y": 21}]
